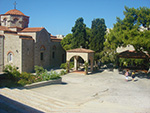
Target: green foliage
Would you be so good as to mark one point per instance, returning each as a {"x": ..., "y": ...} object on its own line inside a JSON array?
[
  {"x": 20, "y": 79},
  {"x": 39, "y": 70},
  {"x": 132, "y": 62},
  {"x": 66, "y": 42},
  {"x": 63, "y": 72},
  {"x": 54, "y": 75},
  {"x": 127, "y": 32},
  {"x": 79, "y": 34},
  {"x": 97, "y": 39},
  {"x": 64, "y": 65},
  {"x": 86, "y": 66},
  {"x": 12, "y": 72},
  {"x": 49, "y": 76}
]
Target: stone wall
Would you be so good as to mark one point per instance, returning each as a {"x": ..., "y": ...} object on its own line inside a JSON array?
[
  {"x": 15, "y": 21},
  {"x": 57, "y": 54},
  {"x": 1, "y": 53},
  {"x": 27, "y": 55},
  {"x": 12, "y": 43},
  {"x": 42, "y": 46}
]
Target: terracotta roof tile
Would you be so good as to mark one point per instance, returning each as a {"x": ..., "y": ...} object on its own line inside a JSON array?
[
  {"x": 14, "y": 12},
  {"x": 133, "y": 54},
  {"x": 81, "y": 50},
  {"x": 32, "y": 29}
]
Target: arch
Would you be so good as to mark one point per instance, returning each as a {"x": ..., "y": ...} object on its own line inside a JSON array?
[
  {"x": 85, "y": 54},
  {"x": 10, "y": 52},
  {"x": 10, "y": 55},
  {"x": 5, "y": 21},
  {"x": 15, "y": 20},
  {"x": 42, "y": 48}
]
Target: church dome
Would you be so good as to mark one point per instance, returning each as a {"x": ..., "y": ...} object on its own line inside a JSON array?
[{"x": 14, "y": 12}]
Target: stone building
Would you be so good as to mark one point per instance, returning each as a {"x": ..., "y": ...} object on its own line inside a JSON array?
[{"x": 26, "y": 47}]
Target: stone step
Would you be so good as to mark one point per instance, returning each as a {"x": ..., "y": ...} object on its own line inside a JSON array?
[
  {"x": 38, "y": 101},
  {"x": 27, "y": 100},
  {"x": 10, "y": 106},
  {"x": 46, "y": 98},
  {"x": 40, "y": 98}
]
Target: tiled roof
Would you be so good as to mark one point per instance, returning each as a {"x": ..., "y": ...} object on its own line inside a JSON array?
[
  {"x": 14, "y": 12},
  {"x": 133, "y": 54},
  {"x": 81, "y": 50},
  {"x": 21, "y": 35},
  {"x": 32, "y": 29}
]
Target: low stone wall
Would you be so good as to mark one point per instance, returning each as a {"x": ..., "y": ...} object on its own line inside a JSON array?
[{"x": 43, "y": 83}]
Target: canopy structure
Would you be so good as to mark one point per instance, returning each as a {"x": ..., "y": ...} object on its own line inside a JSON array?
[
  {"x": 86, "y": 54},
  {"x": 134, "y": 54}
]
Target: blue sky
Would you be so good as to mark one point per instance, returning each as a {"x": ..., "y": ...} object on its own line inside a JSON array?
[{"x": 59, "y": 16}]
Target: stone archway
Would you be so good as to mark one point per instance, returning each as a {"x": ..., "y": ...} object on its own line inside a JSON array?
[{"x": 85, "y": 54}]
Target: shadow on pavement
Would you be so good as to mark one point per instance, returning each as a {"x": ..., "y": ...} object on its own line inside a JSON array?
[{"x": 8, "y": 105}]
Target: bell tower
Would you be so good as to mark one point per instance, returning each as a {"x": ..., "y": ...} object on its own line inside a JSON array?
[{"x": 14, "y": 18}]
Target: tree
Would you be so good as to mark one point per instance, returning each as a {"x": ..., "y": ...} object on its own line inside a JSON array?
[
  {"x": 88, "y": 35},
  {"x": 66, "y": 42},
  {"x": 79, "y": 34},
  {"x": 97, "y": 39},
  {"x": 128, "y": 31}
]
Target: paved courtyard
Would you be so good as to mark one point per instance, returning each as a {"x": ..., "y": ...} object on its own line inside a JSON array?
[{"x": 102, "y": 92}]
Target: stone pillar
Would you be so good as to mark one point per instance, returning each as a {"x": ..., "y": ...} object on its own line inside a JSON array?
[{"x": 75, "y": 63}]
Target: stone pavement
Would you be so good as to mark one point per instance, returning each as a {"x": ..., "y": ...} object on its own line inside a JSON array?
[
  {"x": 102, "y": 92},
  {"x": 105, "y": 91}
]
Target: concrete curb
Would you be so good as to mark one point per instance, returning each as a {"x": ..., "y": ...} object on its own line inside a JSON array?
[{"x": 43, "y": 83}]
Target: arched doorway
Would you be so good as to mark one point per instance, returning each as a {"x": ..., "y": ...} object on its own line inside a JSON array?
[{"x": 81, "y": 53}]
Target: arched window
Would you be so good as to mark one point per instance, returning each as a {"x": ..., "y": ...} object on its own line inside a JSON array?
[
  {"x": 15, "y": 20},
  {"x": 10, "y": 57},
  {"x": 5, "y": 21},
  {"x": 53, "y": 53},
  {"x": 42, "y": 49}
]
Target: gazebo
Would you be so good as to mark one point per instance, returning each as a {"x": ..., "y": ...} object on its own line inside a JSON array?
[{"x": 86, "y": 54}]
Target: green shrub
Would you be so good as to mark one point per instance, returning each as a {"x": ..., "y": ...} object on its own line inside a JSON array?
[
  {"x": 39, "y": 70},
  {"x": 63, "y": 72},
  {"x": 54, "y": 75},
  {"x": 63, "y": 66},
  {"x": 23, "y": 82},
  {"x": 12, "y": 72}
]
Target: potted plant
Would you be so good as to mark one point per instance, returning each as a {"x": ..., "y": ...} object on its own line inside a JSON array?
[
  {"x": 86, "y": 67},
  {"x": 67, "y": 66}
]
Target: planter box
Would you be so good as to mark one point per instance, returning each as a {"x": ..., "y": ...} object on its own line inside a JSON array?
[{"x": 43, "y": 83}]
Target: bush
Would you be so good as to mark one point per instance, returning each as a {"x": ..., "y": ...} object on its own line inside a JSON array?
[
  {"x": 12, "y": 72},
  {"x": 23, "y": 82},
  {"x": 54, "y": 75},
  {"x": 64, "y": 65},
  {"x": 28, "y": 77},
  {"x": 63, "y": 72},
  {"x": 49, "y": 76},
  {"x": 39, "y": 70},
  {"x": 24, "y": 78}
]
